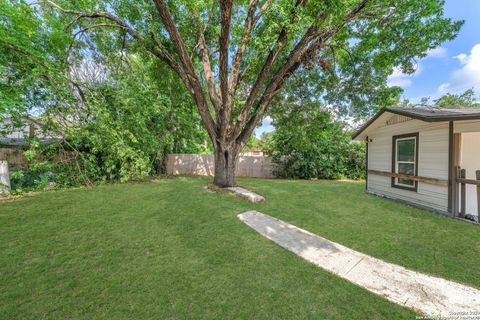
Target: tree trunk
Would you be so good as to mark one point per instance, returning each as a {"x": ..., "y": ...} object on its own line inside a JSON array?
[{"x": 225, "y": 163}]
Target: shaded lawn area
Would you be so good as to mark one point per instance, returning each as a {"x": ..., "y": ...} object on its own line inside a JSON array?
[{"x": 168, "y": 249}]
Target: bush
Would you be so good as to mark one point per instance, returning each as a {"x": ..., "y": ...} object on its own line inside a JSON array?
[
  {"x": 311, "y": 145},
  {"x": 118, "y": 129}
]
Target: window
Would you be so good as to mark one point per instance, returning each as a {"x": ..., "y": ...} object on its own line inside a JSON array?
[{"x": 405, "y": 160}]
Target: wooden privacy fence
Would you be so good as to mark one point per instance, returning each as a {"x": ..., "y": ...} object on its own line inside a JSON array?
[
  {"x": 203, "y": 165},
  {"x": 462, "y": 190},
  {"x": 14, "y": 156},
  {"x": 177, "y": 164}
]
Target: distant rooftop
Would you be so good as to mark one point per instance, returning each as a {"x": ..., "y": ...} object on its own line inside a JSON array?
[{"x": 23, "y": 142}]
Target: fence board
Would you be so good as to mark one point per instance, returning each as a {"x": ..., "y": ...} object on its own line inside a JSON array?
[
  {"x": 203, "y": 165},
  {"x": 14, "y": 156}
]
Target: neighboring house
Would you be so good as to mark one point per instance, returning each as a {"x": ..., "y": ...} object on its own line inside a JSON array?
[
  {"x": 415, "y": 155},
  {"x": 16, "y": 133},
  {"x": 14, "y": 137}
]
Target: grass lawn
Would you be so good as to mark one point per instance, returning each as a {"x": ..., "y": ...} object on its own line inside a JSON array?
[{"x": 168, "y": 249}]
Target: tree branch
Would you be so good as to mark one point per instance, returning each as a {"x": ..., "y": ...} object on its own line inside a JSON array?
[
  {"x": 249, "y": 22},
  {"x": 97, "y": 26},
  {"x": 95, "y": 15},
  {"x": 207, "y": 69},
  {"x": 226, "y": 15},
  {"x": 192, "y": 78},
  {"x": 120, "y": 24},
  {"x": 237, "y": 73},
  {"x": 22, "y": 51},
  {"x": 186, "y": 70},
  {"x": 305, "y": 48},
  {"x": 162, "y": 54},
  {"x": 225, "y": 112},
  {"x": 262, "y": 77},
  {"x": 264, "y": 8}
]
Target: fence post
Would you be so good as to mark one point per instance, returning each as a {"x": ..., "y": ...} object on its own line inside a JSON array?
[
  {"x": 463, "y": 193},
  {"x": 456, "y": 200},
  {"x": 478, "y": 193},
  {"x": 4, "y": 178}
]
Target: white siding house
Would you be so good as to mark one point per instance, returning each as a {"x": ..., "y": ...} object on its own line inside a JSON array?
[
  {"x": 16, "y": 133},
  {"x": 414, "y": 156}
]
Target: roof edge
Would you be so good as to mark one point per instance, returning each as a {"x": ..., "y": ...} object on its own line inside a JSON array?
[
  {"x": 369, "y": 122},
  {"x": 415, "y": 116}
]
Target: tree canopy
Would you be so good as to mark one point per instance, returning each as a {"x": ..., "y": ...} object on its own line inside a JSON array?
[
  {"x": 308, "y": 143},
  {"x": 467, "y": 99},
  {"x": 233, "y": 58}
]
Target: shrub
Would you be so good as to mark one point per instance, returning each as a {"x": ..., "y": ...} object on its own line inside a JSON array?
[{"x": 311, "y": 145}]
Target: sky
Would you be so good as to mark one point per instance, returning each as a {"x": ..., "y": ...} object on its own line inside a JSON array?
[{"x": 452, "y": 67}]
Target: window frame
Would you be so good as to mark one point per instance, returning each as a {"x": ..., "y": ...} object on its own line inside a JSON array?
[{"x": 395, "y": 139}]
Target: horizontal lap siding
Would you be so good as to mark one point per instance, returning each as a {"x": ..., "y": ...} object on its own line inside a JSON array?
[
  {"x": 433, "y": 162},
  {"x": 467, "y": 126}
]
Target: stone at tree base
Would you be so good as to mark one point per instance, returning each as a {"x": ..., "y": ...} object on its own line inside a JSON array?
[
  {"x": 247, "y": 194},
  {"x": 207, "y": 189}
]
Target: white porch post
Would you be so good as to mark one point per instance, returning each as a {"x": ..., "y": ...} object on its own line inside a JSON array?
[{"x": 4, "y": 178}]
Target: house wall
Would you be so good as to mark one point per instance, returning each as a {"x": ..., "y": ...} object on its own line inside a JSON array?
[
  {"x": 467, "y": 126},
  {"x": 8, "y": 130},
  {"x": 470, "y": 161},
  {"x": 433, "y": 162}
]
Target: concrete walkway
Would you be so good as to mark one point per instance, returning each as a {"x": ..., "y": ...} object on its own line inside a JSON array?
[{"x": 425, "y": 294}]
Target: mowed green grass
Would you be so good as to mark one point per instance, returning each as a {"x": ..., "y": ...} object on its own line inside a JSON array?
[
  {"x": 398, "y": 233},
  {"x": 169, "y": 250}
]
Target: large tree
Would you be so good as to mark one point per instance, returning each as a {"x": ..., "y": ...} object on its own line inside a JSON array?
[
  {"x": 234, "y": 58},
  {"x": 466, "y": 99},
  {"x": 117, "y": 114}
]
